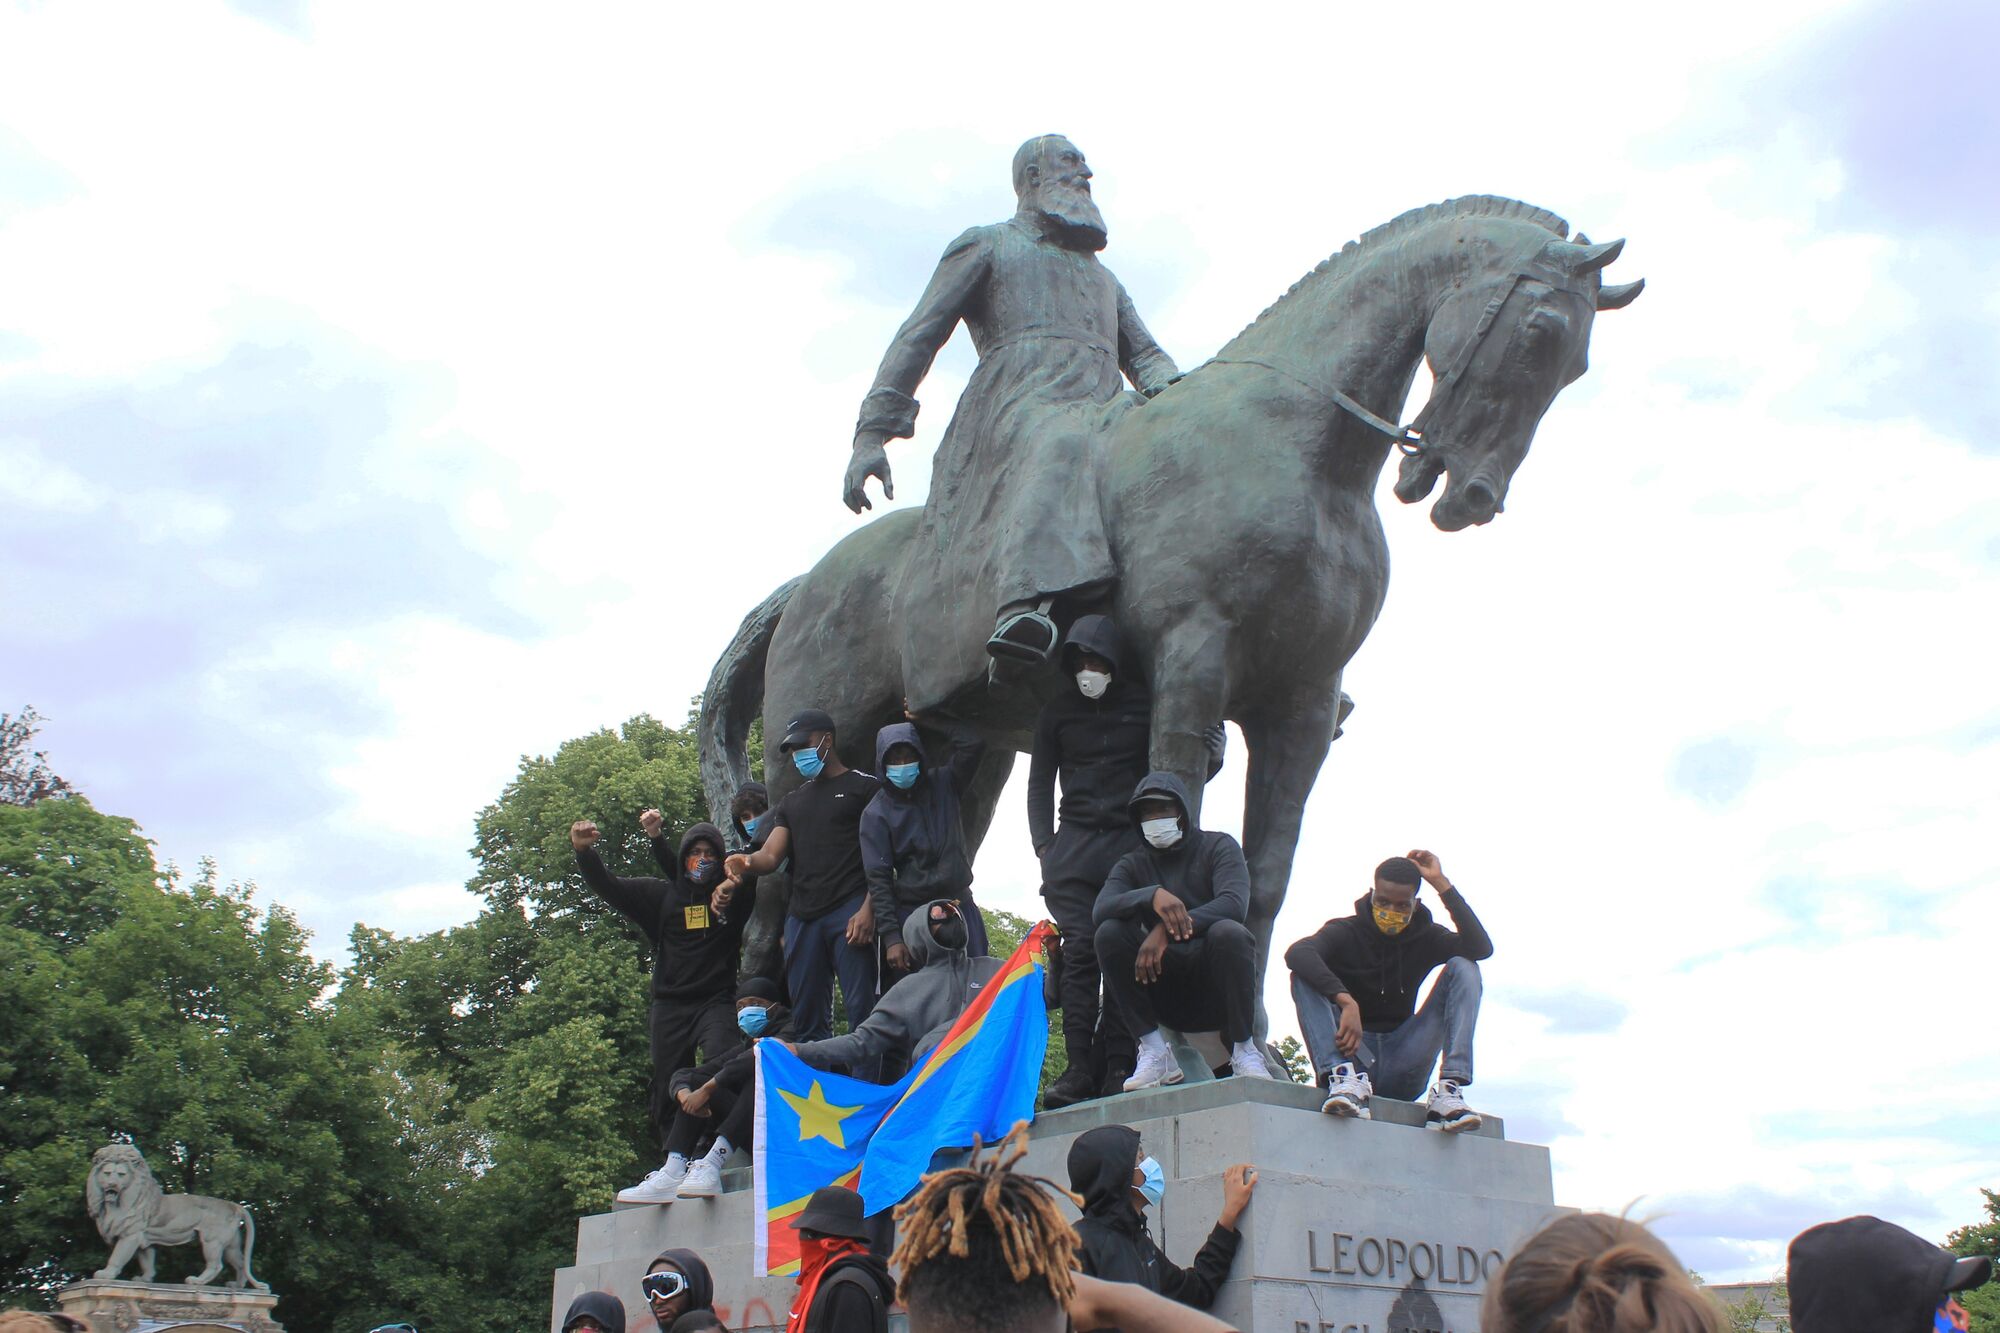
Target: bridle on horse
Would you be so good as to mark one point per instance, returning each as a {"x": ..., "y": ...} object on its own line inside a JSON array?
[{"x": 1410, "y": 439}]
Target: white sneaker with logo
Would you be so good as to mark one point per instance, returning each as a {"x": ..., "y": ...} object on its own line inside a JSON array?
[
  {"x": 1347, "y": 1092},
  {"x": 704, "y": 1181},
  {"x": 1446, "y": 1109},
  {"x": 1157, "y": 1068},
  {"x": 1246, "y": 1061},
  {"x": 659, "y": 1187}
]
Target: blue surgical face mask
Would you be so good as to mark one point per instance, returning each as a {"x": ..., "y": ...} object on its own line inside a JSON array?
[
  {"x": 1154, "y": 1186},
  {"x": 751, "y": 823},
  {"x": 808, "y": 762},
  {"x": 753, "y": 1020},
  {"x": 904, "y": 775}
]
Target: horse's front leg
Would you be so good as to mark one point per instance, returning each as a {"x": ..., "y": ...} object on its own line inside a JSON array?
[
  {"x": 1287, "y": 748},
  {"x": 1190, "y": 691}
]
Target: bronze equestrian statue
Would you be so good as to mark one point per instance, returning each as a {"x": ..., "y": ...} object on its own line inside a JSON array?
[{"x": 1237, "y": 509}]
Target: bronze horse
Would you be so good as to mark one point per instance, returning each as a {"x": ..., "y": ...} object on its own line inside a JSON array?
[{"x": 1241, "y": 510}]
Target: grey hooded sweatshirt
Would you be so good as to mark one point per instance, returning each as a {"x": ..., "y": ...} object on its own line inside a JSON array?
[{"x": 914, "y": 1014}]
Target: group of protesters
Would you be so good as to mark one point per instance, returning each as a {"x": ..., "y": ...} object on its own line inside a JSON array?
[{"x": 1150, "y": 910}]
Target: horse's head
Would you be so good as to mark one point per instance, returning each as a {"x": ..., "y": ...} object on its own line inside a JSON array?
[{"x": 1502, "y": 344}]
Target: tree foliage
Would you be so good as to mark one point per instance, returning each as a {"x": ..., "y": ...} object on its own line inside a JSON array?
[
  {"x": 25, "y": 775},
  {"x": 1983, "y": 1237}
]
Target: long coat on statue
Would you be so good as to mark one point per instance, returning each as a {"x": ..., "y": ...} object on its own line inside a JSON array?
[{"x": 1013, "y": 513}]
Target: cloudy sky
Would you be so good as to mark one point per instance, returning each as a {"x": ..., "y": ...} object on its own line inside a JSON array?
[{"x": 388, "y": 391}]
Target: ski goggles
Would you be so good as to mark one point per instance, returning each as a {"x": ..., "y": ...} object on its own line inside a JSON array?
[{"x": 663, "y": 1286}]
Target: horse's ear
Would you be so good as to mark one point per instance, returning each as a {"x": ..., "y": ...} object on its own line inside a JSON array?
[
  {"x": 1580, "y": 258},
  {"x": 1619, "y": 295}
]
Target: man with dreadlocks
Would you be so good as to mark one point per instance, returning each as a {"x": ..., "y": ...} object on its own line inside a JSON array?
[{"x": 987, "y": 1251}]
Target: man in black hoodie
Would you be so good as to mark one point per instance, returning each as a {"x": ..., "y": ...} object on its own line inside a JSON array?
[
  {"x": 695, "y": 949},
  {"x": 1171, "y": 937},
  {"x": 913, "y": 838},
  {"x": 1355, "y": 983},
  {"x": 710, "y": 1096},
  {"x": 1118, "y": 1181},
  {"x": 1096, "y": 735},
  {"x": 677, "y": 1284}
]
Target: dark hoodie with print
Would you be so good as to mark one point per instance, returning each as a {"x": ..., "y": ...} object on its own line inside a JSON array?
[
  {"x": 1114, "y": 1243},
  {"x": 1205, "y": 870},
  {"x": 1099, "y": 747},
  {"x": 701, "y": 1286},
  {"x": 913, "y": 842},
  {"x": 1350, "y": 955},
  {"x": 694, "y": 954}
]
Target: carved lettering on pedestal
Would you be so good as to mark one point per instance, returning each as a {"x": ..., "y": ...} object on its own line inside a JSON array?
[{"x": 1343, "y": 1254}]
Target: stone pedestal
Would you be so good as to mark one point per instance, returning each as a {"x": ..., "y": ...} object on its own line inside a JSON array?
[
  {"x": 1376, "y": 1226},
  {"x": 126, "y": 1307}
]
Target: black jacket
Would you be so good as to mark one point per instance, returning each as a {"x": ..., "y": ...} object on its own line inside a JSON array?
[
  {"x": 842, "y": 1304},
  {"x": 913, "y": 842},
  {"x": 1099, "y": 747},
  {"x": 694, "y": 955},
  {"x": 1115, "y": 1243},
  {"x": 1351, "y": 955},
  {"x": 1205, "y": 870}
]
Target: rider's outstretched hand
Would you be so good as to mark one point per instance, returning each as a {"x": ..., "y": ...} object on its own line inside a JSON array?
[{"x": 870, "y": 459}]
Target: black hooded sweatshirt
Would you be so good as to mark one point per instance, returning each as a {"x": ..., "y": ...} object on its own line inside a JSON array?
[
  {"x": 602, "y": 1306},
  {"x": 701, "y": 1286},
  {"x": 1351, "y": 955},
  {"x": 913, "y": 842},
  {"x": 733, "y": 1069},
  {"x": 1205, "y": 870},
  {"x": 1115, "y": 1244},
  {"x": 1100, "y": 747},
  {"x": 694, "y": 955}
]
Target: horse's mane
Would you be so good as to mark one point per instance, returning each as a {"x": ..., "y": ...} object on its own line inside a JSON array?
[{"x": 1337, "y": 264}]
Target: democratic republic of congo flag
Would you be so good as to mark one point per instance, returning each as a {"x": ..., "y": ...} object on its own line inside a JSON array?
[{"x": 815, "y": 1128}]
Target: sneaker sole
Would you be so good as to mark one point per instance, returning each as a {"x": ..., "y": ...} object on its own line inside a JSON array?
[
  {"x": 646, "y": 1198},
  {"x": 1164, "y": 1081},
  {"x": 1465, "y": 1123},
  {"x": 697, "y": 1193},
  {"x": 1345, "y": 1111}
]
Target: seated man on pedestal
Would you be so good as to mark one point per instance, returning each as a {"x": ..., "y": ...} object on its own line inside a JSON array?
[
  {"x": 1355, "y": 983},
  {"x": 1171, "y": 938}
]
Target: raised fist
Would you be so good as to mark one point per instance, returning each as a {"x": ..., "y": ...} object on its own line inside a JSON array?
[
  {"x": 583, "y": 834},
  {"x": 651, "y": 823}
]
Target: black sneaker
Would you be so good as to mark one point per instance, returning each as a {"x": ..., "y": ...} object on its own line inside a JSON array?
[{"x": 1074, "y": 1086}]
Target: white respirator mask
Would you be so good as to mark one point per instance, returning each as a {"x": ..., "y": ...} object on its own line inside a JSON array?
[
  {"x": 1093, "y": 683},
  {"x": 1161, "y": 833}
]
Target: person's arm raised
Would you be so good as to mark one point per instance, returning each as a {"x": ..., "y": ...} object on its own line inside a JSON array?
[{"x": 762, "y": 861}]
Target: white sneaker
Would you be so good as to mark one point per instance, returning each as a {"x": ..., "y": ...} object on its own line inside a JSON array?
[
  {"x": 1447, "y": 1110},
  {"x": 1246, "y": 1061},
  {"x": 704, "y": 1181},
  {"x": 1157, "y": 1068},
  {"x": 659, "y": 1187},
  {"x": 1347, "y": 1093}
]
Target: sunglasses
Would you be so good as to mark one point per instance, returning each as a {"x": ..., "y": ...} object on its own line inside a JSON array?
[{"x": 663, "y": 1286}]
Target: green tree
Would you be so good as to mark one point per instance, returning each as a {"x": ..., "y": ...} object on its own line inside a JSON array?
[
  {"x": 25, "y": 775},
  {"x": 187, "y": 1019},
  {"x": 1983, "y": 1303}
]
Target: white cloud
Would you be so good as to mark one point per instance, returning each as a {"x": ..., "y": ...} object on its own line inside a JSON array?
[{"x": 629, "y": 379}]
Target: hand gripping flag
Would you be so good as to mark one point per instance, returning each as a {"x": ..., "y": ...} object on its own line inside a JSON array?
[{"x": 815, "y": 1128}]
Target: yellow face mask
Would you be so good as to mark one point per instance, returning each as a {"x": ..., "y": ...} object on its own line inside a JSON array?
[{"x": 1390, "y": 923}]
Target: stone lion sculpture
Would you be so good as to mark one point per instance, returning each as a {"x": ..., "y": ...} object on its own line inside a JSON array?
[{"x": 134, "y": 1215}]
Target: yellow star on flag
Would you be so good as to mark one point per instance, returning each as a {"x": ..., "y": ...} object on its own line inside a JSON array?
[{"x": 818, "y": 1119}]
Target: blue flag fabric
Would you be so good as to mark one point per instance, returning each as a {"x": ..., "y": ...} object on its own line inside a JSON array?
[{"x": 816, "y": 1128}]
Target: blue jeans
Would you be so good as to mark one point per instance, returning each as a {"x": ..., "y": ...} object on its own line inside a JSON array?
[
  {"x": 1398, "y": 1062},
  {"x": 816, "y": 952}
]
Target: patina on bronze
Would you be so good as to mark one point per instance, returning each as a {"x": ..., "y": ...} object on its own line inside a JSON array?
[{"x": 1239, "y": 516}]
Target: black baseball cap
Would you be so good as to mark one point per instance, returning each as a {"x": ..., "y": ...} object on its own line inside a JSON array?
[
  {"x": 1864, "y": 1275},
  {"x": 833, "y": 1210},
  {"x": 801, "y": 728}
]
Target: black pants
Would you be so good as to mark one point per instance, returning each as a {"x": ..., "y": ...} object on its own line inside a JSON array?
[
  {"x": 679, "y": 1030},
  {"x": 732, "y": 1116},
  {"x": 1073, "y": 871},
  {"x": 1206, "y": 984}
]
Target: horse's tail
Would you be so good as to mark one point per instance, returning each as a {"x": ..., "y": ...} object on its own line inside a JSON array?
[{"x": 732, "y": 701}]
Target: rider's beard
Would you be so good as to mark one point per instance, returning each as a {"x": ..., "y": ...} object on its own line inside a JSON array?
[{"x": 1072, "y": 216}]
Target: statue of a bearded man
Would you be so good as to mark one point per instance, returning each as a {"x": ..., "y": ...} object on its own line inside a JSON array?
[{"x": 1013, "y": 510}]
